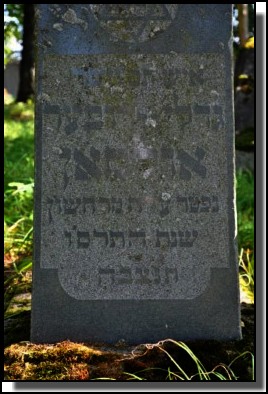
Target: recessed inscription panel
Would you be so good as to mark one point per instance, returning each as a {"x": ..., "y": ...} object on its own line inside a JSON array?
[{"x": 129, "y": 206}]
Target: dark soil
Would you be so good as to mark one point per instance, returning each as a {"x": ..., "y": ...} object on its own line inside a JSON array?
[{"x": 73, "y": 361}]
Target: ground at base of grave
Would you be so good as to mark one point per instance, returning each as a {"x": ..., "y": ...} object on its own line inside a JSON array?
[{"x": 68, "y": 361}]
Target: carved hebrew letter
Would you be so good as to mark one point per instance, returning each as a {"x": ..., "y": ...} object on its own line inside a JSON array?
[
  {"x": 85, "y": 167},
  {"x": 194, "y": 204},
  {"x": 171, "y": 275},
  {"x": 165, "y": 208},
  {"x": 124, "y": 276},
  {"x": 146, "y": 276},
  {"x": 52, "y": 202},
  {"x": 83, "y": 239},
  {"x": 106, "y": 276},
  {"x": 116, "y": 234},
  {"x": 70, "y": 124},
  {"x": 217, "y": 121},
  {"x": 196, "y": 78},
  {"x": 187, "y": 238},
  {"x": 94, "y": 118},
  {"x": 105, "y": 202},
  {"x": 101, "y": 234},
  {"x": 49, "y": 202},
  {"x": 71, "y": 205},
  {"x": 51, "y": 108},
  {"x": 168, "y": 77},
  {"x": 143, "y": 276},
  {"x": 109, "y": 113},
  {"x": 66, "y": 153},
  {"x": 173, "y": 239},
  {"x": 205, "y": 204},
  {"x": 138, "y": 235},
  {"x": 202, "y": 110},
  {"x": 184, "y": 115},
  {"x": 183, "y": 200},
  {"x": 134, "y": 203},
  {"x": 215, "y": 204},
  {"x": 86, "y": 201},
  {"x": 148, "y": 73},
  {"x": 155, "y": 273},
  {"x": 68, "y": 235},
  {"x": 162, "y": 234},
  {"x": 194, "y": 164},
  {"x": 112, "y": 156},
  {"x": 116, "y": 205},
  {"x": 90, "y": 77},
  {"x": 167, "y": 153}
]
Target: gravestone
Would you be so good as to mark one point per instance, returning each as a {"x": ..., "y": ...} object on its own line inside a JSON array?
[{"x": 134, "y": 203}]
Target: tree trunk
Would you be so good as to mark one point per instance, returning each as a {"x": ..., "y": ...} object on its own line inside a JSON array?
[
  {"x": 26, "y": 84},
  {"x": 243, "y": 23}
]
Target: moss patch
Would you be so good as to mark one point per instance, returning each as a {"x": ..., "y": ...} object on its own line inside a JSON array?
[{"x": 62, "y": 361}]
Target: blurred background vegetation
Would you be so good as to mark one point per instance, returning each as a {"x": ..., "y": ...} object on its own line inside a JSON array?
[{"x": 19, "y": 149}]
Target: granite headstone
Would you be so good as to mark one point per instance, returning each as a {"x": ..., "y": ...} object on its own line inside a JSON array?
[{"x": 135, "y": 233}]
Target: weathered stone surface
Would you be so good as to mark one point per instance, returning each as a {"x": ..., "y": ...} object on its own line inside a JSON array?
[{"x": 134, "y": 219}]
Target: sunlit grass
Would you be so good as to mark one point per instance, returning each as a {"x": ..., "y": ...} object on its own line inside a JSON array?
[
  {"x": 178, "y": 373},
  {"x": 245, "y": 222},
  {"x": 246, "y": 265},
  {"x": 18, "y": 174},
  {"x": 18, "y": 198}
]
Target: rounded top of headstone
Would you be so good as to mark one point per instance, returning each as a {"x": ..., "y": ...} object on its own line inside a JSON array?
[{"x": 134, "y": 22}]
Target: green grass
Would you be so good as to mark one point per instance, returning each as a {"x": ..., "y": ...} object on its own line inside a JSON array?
[
  {"x": 219, "y": 372},
  {"x": 18, "y": 197},
  {"x": 245, "y": 209},
  {"x": 245, "y": 224},
  {"x": 246, "y": 267},
  {"x": 18, "y": 175}
]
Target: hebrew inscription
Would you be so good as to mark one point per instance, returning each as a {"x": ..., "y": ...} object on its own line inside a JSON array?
[
  {"x": 164, "y": 205},
  {"x": 111, "y": 238},
  {"x": 128, "y": 204},
  {"x": 134, "y": 218},
  {"x": 134, "y": 22}
]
